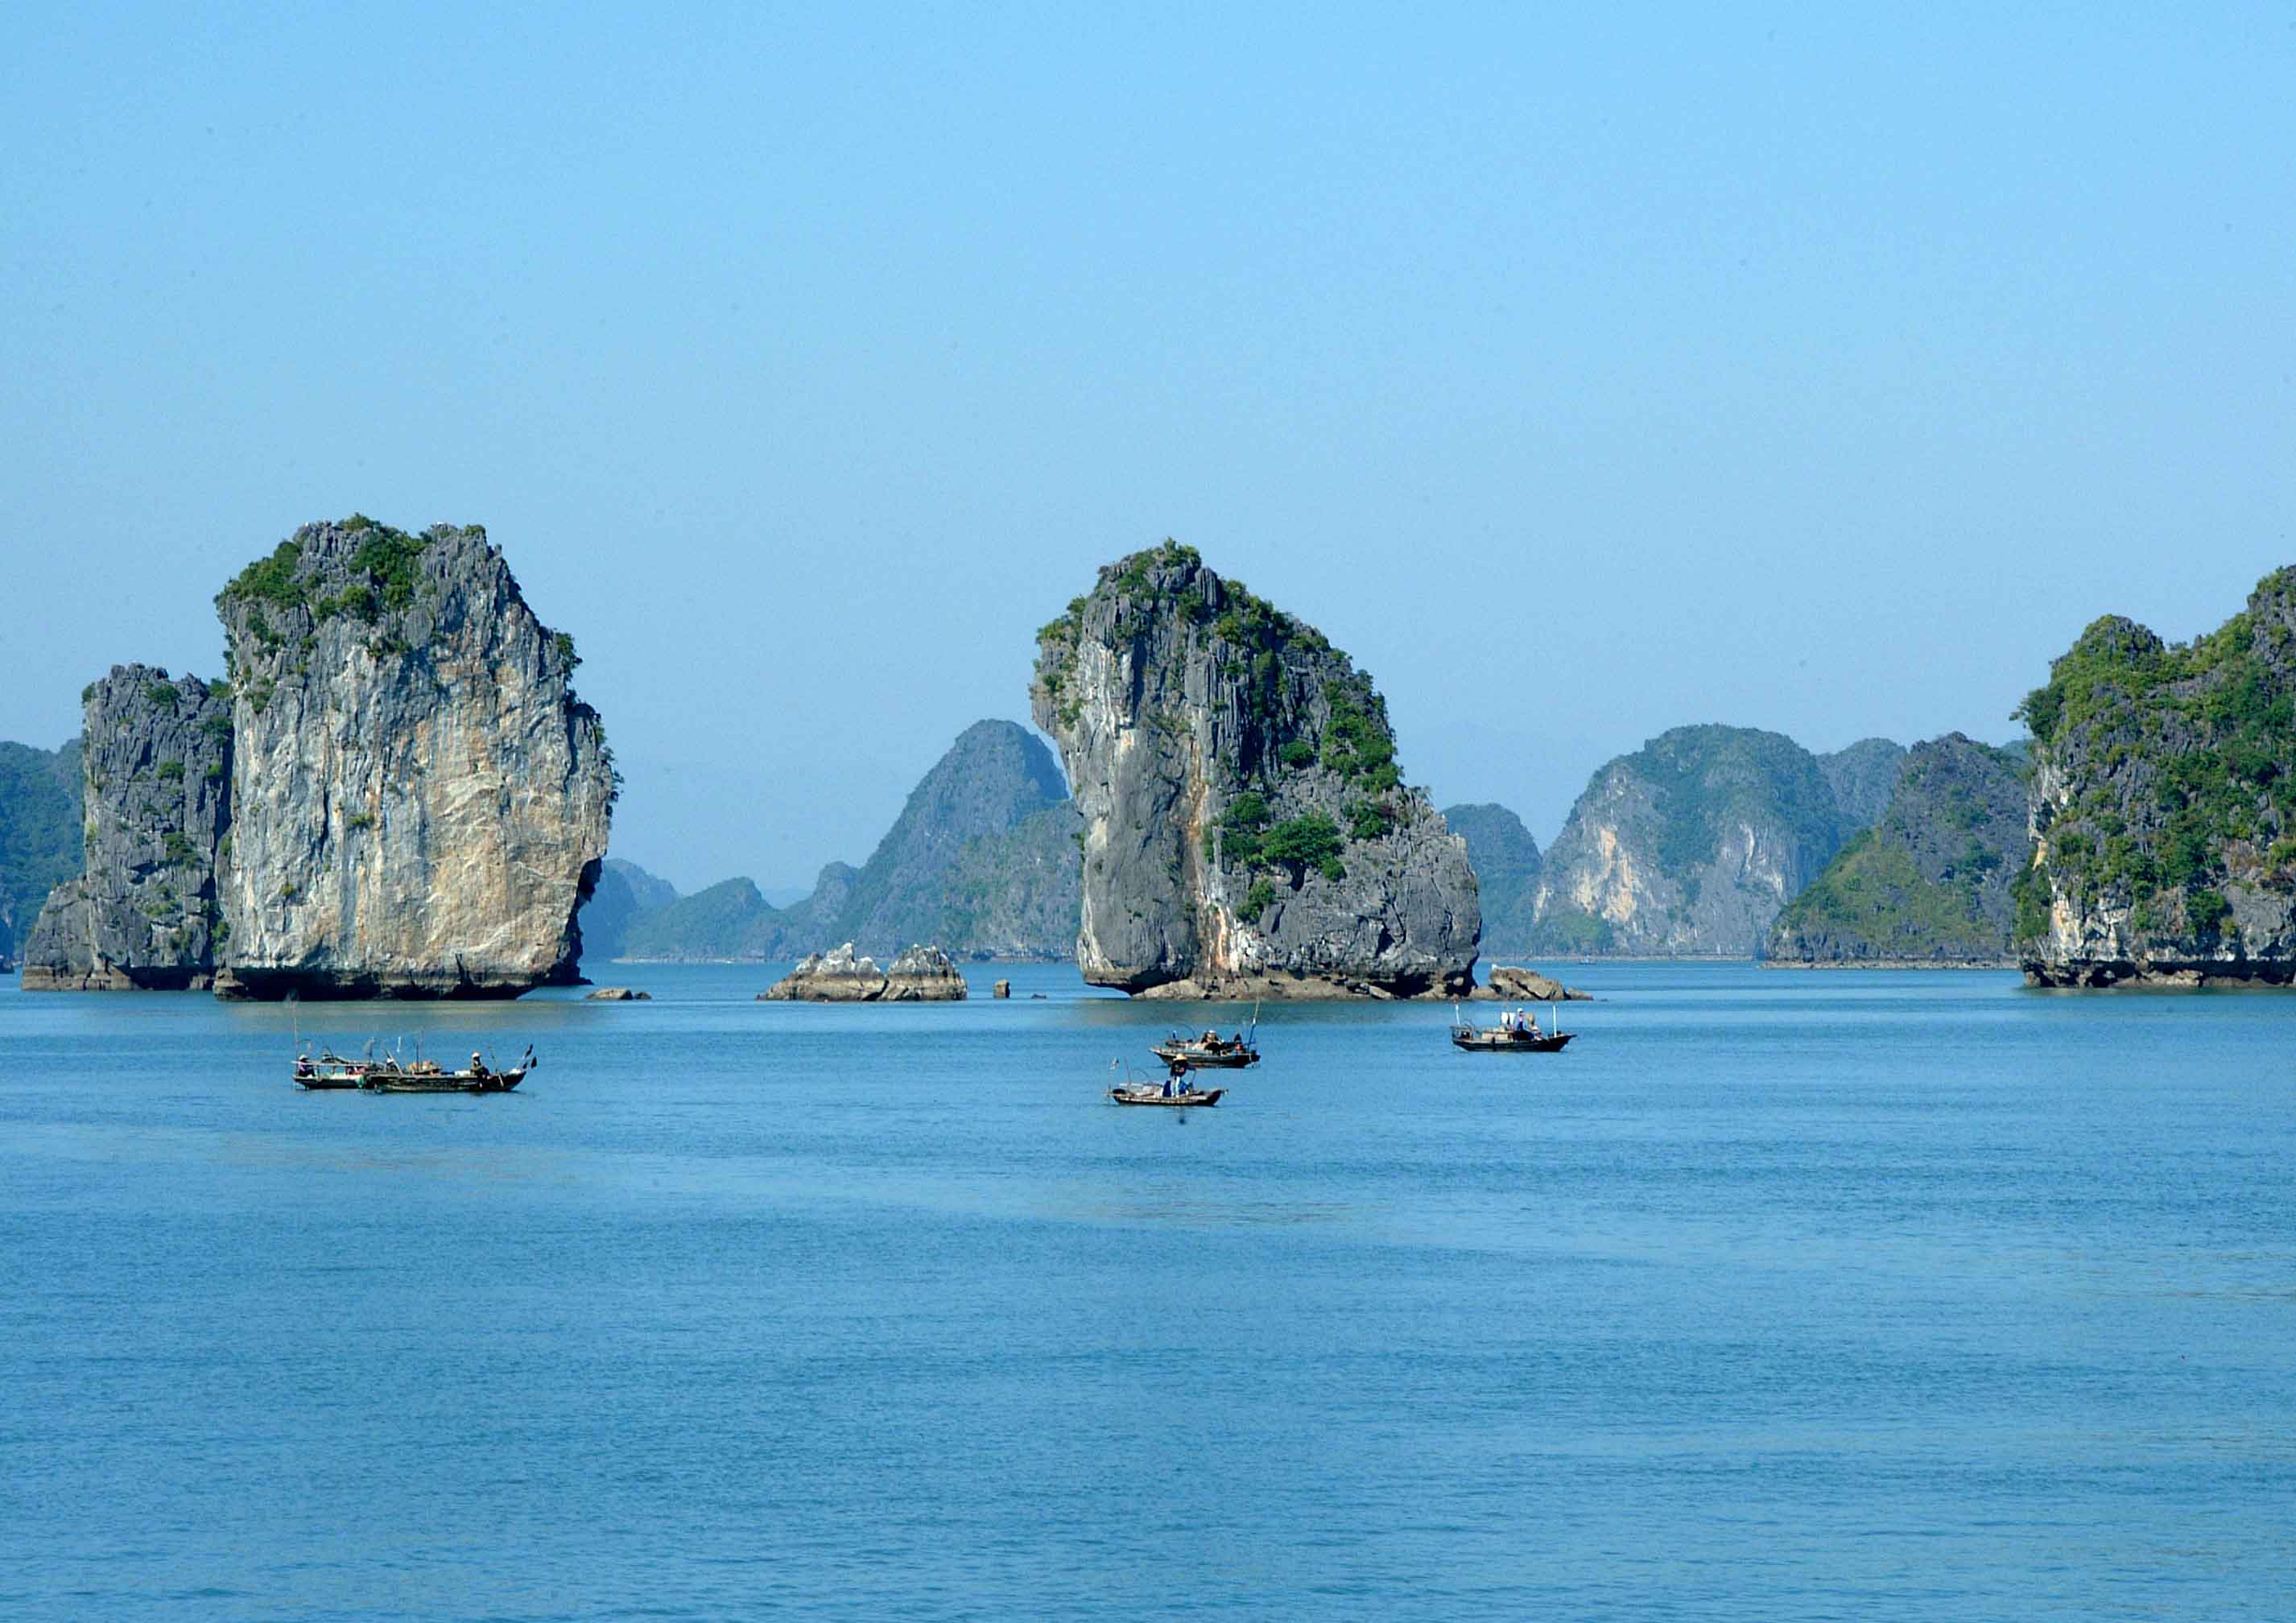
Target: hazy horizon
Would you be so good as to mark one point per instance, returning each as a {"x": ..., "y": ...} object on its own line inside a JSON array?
[{"x": 1582, "y": 376}]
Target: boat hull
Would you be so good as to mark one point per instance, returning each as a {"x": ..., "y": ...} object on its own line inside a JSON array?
[
  {"x": 1194, "y": 1059},
  {"x": 1500, "y": 1042},
  {"x": 446, "y": 1082}
]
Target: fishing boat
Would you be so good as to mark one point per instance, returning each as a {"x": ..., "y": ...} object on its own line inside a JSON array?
[
  {"x": 331, "y": 1073},
  {"x": 1170, "y": 1102},
  {"x": 428, "y": 1076},
  {"x": 1508, "y": 1038},
  {"x": 1176, "y": 1092},
  {"x": 1211, "y": 1051}
]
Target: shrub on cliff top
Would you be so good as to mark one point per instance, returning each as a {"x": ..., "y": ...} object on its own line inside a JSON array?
[{"x": 1311, "y": 841}]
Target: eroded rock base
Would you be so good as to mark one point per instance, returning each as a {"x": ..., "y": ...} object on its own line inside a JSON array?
[{"x": 2100, "y": 974}]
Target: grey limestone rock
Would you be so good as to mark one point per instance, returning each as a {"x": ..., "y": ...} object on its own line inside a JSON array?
[
  {"x": 620, "y": 995},
  {"x": 1863, "y": 777},
  {"x": 156, "y": 771},
  {"x": 1511, "y": 984},
  {"x": 924, "y": 974},
  {"x": 420, "y": 803},
  {"x": 840, "y": 975},
  {"x": 1246, "y": 830}
]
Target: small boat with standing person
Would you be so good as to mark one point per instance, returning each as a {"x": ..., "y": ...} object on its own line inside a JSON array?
[
  {"x": 1517, "y": 1032},
  {"x": 1178, "y": 1091}
]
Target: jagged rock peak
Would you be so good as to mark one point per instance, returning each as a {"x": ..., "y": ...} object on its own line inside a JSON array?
[
  {"x": 420, "y": 802},
  {"x": 2163, "y": 805},
  {"x": 1247, "y": 831},
  {"x": 155, "y": 768}
]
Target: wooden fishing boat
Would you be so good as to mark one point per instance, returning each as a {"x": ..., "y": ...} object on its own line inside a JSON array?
[
  {"x": 1211, "y": 1051},
  {"x": 331, "y": 1073},
  {"x": 427, "y": 1076},
  {"x": 1508, "y": 1038},
  {"x": 1170, "y": 1102},
  {"x": 1490, "y": 1039}
]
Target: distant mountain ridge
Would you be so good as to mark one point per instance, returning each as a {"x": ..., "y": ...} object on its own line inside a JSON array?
[
  {"x": 1932, "y": 881},
  {"x": 39, "y": 834},
  {"x": 1690, "y": 845},
  {"x": 1507, "y": 866},
  {"x": 982, "y": 862}
]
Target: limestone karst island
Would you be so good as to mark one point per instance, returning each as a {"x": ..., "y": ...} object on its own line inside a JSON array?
[
  {"x": 1247, "y": 830},
  {"x": 393, "y": 790},
  {"x": 394, "y": 793}
]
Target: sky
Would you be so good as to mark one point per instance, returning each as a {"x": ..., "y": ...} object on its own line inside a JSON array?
[{"x": 1583, "y": 371}]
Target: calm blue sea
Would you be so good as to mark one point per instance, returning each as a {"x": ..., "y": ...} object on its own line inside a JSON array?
[{"x": 1778, "y": 1296}]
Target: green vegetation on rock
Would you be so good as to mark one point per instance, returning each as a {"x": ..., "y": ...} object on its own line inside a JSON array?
[{"x": 2176, "y": 768}]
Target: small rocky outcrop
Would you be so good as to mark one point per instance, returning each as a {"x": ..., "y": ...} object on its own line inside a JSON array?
[
  {"x": 420, "y": 803},
  {"x": 1510, "y": 984},
  {"x": 1689, "y": 847},
  {"x": 620, "y": 995},
  {"x": 920, "y": 974},
  {"x": 2163, "y": 806},
  {"x": 924, "y": 974},
  {"x": 1246, "y": 829},
  {"x": 1929, "y": 884},
  {"x": 156, "y": 770}
]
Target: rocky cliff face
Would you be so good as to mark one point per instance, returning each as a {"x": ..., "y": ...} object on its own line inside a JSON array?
[
  {"x": 1246, "y": 829},
  {"x": 1688, "y": 846},
  {"x": 2163, "y": 805},
  {"x": 39, "y": 835},
  {"x": 1930, "y": 881},
  {"x": 155, "y": 764},
  {"x": 1863, "y": 777},
  {"x": 420, "y": 803},
  {"x": 1507, "y": 866}
]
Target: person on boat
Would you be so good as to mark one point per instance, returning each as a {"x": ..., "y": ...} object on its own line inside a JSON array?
[
  {"x": 303, "y": 1065},
  {"x": 478, "y": 1066}
]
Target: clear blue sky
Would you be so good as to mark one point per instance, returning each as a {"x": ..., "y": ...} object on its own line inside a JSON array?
[{"x": 1583, "y": 375}]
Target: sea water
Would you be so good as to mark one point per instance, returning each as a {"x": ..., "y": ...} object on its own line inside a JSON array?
[{"x": 1776, "y": 1296}]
